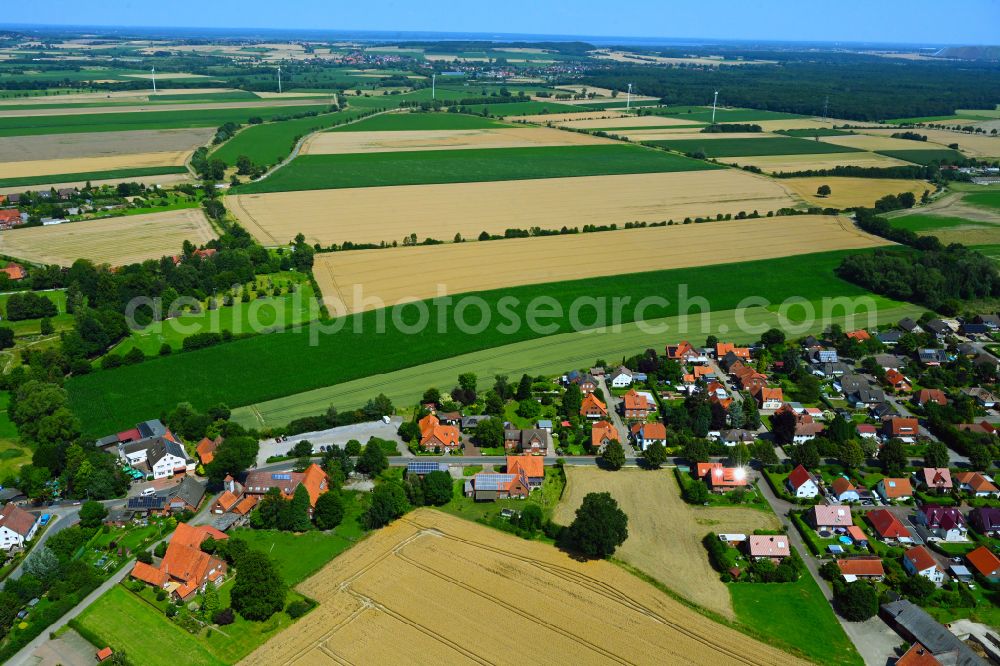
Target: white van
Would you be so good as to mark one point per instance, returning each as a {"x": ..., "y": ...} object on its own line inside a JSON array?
[{"x": 147, "y": 492}]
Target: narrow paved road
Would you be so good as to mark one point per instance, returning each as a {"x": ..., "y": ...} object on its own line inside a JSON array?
[
  {"x": 616, "y": 418},
  {"x": 874, "y": 639}
]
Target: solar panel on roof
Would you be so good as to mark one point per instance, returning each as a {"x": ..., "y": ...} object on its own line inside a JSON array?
[
  {"x": 422, "y": 467},
  {"x": 281, "y": 477},
  {"x": 150, "y": 502}
]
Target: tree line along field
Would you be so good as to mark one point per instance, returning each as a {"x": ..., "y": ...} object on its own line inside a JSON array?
[
  {"x": 397, "y": 274},
  {"x": 291, "y": 363},
  {"x": 541, "y": 356},
  {"x": 703, "y": 114},
  {"x": 372, "y": 215},
  {"x": 744, "y": 147},
  {"x": 141, "y": 120},
  {"x": 317, "y": 172},
  {"x": 402, "y": 581}
]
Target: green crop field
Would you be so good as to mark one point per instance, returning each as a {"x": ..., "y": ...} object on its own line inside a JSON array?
[
  {"x": 620, "y": 103},
  {"x": 272, "y": 142},
  {"x": 91, "y": 175},
  {"x": 704, "y": 114},
  {"x": 141, "y": 120},
  {"x": 782, "y": 145},
  {"x": 925, "y": 156},
  {"x": 390, "y": 122},
  {"x": 642, "y": 128},
  {"x": 267, "y": 367},
  {"x": 522, "y": 108},
  {"x": 922, "y": 224},
  {"x": 810, "y": 133},
  {"x": 320, "y": 172},
  {"x": 784, "y": 612},
  {"x": 986, "y": 199}
]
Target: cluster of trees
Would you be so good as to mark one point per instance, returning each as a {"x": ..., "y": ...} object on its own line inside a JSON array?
[
  {"x": 911, "y": 172},
  {"x": 599, "y": 528},
  {"x": 732, "y": 128},
  {"x": 912, "y": 136},
  {"x": 373, "y": 410},
  {"x": 30, "y": 305},
  {"x": 434, "y": 489},
  {"x": 878, "y": 89}
]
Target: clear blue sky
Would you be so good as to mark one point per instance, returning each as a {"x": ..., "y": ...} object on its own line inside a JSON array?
[{"x": 910, "y": 21}]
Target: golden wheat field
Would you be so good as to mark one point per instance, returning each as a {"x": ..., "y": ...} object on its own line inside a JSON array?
[
  {"x": 973, "y": 145},
  {"x": 117, "y": 241},
  {"x": 666, "y": 543},
  {"x": 376, "y": 214},
  {"x": 89, "y": 164},
  {"x": 795, "y": 123},
  {"x": 43, "y": 147},
  {"x": 792, "y": 163},
  {"x": 331, "y": 143},
  {"x": 849, "y": 192},
  {"x": 450, "y": 591},
  {"x": 395, "y": 275},
  {"x": 875, "y": 142}
]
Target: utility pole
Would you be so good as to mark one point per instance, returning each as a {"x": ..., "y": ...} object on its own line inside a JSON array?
[
  {"x": 715, "y": 101},
  {"x": 628, "y": 99},
  {"x": 154, "y": 80}
]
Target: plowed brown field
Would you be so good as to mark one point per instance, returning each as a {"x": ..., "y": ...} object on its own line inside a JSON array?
[{"x": 432, "y": 588}]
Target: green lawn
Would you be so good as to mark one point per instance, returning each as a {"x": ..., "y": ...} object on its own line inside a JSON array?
[
  {"x": 90, "y": 175},
  {"x": 546, "y": 497},
  {"x": 925, "y": 156},
  {"x": 315, "y": 172},
  {"x": 920, "y": 223},
  {"x": 269, "y": 143},
  {"x": 301, "y": 555},
  {"x": 60, "y": 322},
  {"x": 990, "y": 199},
  {"x": 393, "y": 122},
  {"x": 266, "y": 367},
  {"x": 119, "y": 122},
  {"x": 795, "y": 615},
  {"x": 784, "y": 145}
]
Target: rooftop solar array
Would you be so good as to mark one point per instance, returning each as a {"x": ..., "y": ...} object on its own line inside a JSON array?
[
  {"x": 493, "y": 481},
  {"x": 281, "y": 477},
  {"x": 150, "y": 502},
  {"x": 422, "y": 467}
]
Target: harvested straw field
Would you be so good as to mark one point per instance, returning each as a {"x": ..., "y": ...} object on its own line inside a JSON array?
[
  {"x": 372, "y": 215},
  {"x": 689, "y": 134},
  {"x": 792, "y": 163},
  {"x": 92, "y": 164},
  {"x": 666, "y": 543},
  {"x": 879, "y": 142},
  {"x": 796, "y": 123},
  {"x": 629, "y": 121},
  {"x": 117, "y": 241},
  {"x": 451, "y": 591},
  {"x": 972, "y": 145},
  {"x": 91, "y": 110},
  {"x": 330, "y": 143},
  {"x": 849, "y": 192},
  {"x": 391, "y": 276},
  {"x": 569, "y": 117},
  {"x": 66, "y": 146}
]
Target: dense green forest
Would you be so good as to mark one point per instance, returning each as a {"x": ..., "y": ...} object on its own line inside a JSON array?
[{"x": 858, "y": 87}]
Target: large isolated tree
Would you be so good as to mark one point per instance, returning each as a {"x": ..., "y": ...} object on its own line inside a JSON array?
[
  {"x": 613, "y": 455},
  {"x": 373, "y": 459},
  {"x": 655, "y": 455},
  {"x": 329, "y": 510},
  {"x": 259, "y": 591},
  {"x": 936, "y": 454},
  {"x": 388, "y": 502},
  {"x": 893, "y": 458},
  {"x": 857, "y": 601},
  {"x": 92, "y": 513},
  {"x": 600, "y": 526},
  {"x": 299, "y": 509},
  {"x": 437, "y": 488}
]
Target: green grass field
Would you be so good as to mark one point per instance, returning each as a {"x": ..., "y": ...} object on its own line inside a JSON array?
[
  {"x": 254, "y": 317},
  {"x": 391, "y": 122},
  {"x": 60, "y": 322},
  {"x": 989, "y": 199},
  {"x": 319, "y": 172},
  {"x": 782, "y": 145},
  {"x": 269, "y": 143},
  {"x": 13, "y": 454},
  {"x": 139, "y": 172},
  {"x": 704, "y": 114},
  {"x": 920, "y": 224},
  {"x": 794, "y": 614},
  {"x": 809, "y": 133},
  {"x": 140, "y": 120},
  {"x": 925, "y": 156},
  {"x": 267, "y": 367}
]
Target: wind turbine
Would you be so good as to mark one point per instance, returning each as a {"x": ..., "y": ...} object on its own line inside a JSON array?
[
  {"x": 628, "y": 98},
  {"x": 279, "y": 79},
  {"x": 433, "y": 86},
  {"x": 154, "y": 80},
  {"x": 715, "y": 101}
]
